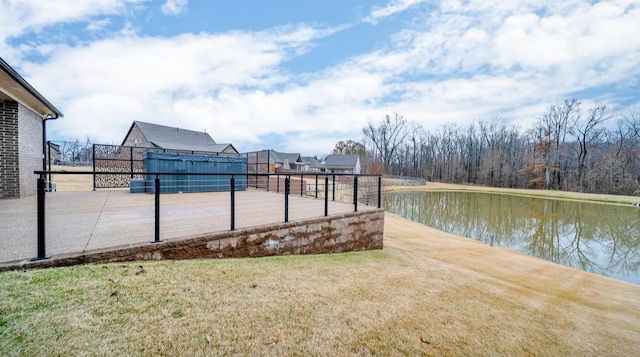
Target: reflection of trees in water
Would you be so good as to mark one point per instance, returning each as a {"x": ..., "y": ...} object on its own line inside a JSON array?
[
  {"x": 624, "y": 254},
  {"x": 599, "y": 238}
]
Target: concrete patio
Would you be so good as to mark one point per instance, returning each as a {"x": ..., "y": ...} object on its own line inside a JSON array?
[{"x": 81, "y": 222}]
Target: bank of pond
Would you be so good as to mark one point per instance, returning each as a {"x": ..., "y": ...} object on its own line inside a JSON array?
[{"x": 599, "y": 238}]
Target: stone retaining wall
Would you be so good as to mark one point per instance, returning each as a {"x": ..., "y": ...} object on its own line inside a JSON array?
[{"x": 334, "y": 234}]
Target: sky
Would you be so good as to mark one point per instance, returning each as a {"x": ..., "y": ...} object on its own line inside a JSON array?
[{"x": 301, "y": 75}]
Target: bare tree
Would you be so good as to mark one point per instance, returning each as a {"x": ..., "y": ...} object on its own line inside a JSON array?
[
  {"x": 586, "y": 132},
  {"x": 410, "y": 153},
  {"x": 76, "y": 152},
  {"x": 565, "y": 149},
  {"x": 387, "y": 137},
  {"x": 551, "y": 132}
]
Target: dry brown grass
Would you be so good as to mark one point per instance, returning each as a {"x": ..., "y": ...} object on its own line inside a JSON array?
[
  {"x": 538, "y": 304},
  {"x": 72, "y": 182}
]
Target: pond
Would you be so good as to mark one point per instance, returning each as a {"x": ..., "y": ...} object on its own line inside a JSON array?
[{"x": 599, "y": 238}]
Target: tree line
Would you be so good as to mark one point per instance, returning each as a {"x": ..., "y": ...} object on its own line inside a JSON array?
[{"x": 567, "y": 148}]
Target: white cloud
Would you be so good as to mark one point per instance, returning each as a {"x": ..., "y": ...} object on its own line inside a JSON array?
[
  {"x": 25, "y": 16},
  {"x": 220, "y": 82},
  {"x": 19, "y": 16},
  {"x": 174, "y": 7},
  {"x": 392, "y": 8},
  {"x": 98, "y": 25},
  {"x": 557, "y": 49}
]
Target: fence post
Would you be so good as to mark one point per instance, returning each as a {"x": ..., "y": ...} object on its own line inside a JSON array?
[
  {"x": 379, "y": 191},
  {"x": 233, "y": 203},
  {"x": 287, "y": 182},
  {"x": 157, "y": 210},
  {"x": 258, "y": 166},
  {"x": 326, "y": 195},
  {"x": 41, "y": 223},
  {"x": 93, "y": 154},
  {"x": 49, "y": 162},
  {"x": 131, "y": 160},
  {"x": 333, "y": 197},
  {"x": 277, "y": 183},
  {"x": 268, "y": 182},
  {"x": 301, "y": 185},
  {"x": 316, "y": 185},
  {"x": 355, "y": 194}
]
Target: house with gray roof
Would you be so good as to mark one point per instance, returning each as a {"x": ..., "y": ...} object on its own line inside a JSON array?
[
  {"x": 289, "y": 161},
  {"x": 157, "y": 136},
  {"x": 312, "y": 164},
  {"x": 23, "y": 116},
  {"x": 344, "y": 164}
]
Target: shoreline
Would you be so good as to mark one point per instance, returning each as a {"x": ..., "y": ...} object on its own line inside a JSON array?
[{"x": 552, "y": 194}]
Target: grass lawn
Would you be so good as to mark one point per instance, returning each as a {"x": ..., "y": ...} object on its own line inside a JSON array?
[{"x": 426, "y": 293}]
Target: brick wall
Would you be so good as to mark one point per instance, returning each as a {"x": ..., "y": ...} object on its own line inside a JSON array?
[
  {"x": 29, "y": 149},
  {"x": 134, "y": 134},
  {"x": 9, "y": 170}
]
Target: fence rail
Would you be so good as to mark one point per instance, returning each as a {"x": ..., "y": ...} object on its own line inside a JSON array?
[{"x": 324, "y": 186}]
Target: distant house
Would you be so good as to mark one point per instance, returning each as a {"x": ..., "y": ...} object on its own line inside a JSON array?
[
  {"x": 54, "y": 150},
  {"x": 23, "y": 114},
  {"x": 172, "y": 138},
  {"x": 343, "y": 164},
  {"x": 312, "y": 164},
  {"x": 287, "y": 161}
]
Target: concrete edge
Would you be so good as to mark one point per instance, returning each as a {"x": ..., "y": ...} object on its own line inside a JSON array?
[{"x": 343, "y": 232}]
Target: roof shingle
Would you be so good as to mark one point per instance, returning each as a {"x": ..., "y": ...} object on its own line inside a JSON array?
[
  {"x": 166, "y": 137},
  {"x": 341, "y": 161}
]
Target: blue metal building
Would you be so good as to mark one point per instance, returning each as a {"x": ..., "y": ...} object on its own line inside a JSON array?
[{"x": 184, "y": 164}]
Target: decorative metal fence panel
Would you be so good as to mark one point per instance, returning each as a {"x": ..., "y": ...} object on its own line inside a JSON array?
[
  {"x": 258, "y": 163},
  {"x": 116, "y": 158}
]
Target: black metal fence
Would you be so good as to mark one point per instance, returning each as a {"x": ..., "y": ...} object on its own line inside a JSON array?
[{"x": 350, "y": 188}]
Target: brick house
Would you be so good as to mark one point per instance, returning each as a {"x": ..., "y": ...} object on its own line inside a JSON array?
[
  {"x": 156, "y": 136},
  {"x": 23, "y": 114}
]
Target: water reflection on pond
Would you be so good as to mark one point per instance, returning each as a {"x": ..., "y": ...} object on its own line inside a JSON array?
[{"x": 604, "y": 239}]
